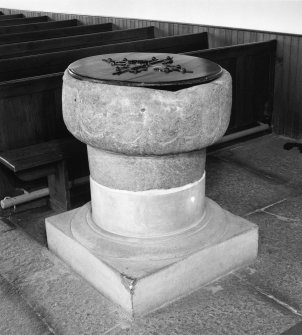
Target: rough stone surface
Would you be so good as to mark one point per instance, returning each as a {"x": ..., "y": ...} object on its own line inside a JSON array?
[
  {"x": 16, "y": 316},
  {"x": 6, "y": 225},
  {"x": 58, "y": 296},
  {"x": 138, "y": 173},
  {"x": 142, "y": 121},
  {"x": 13, "y": 244},
  {"x": 288, "y": 210},
  {"x": 295, "y": 330},
  {"x": 225, "y": 307},
  {"x": 265, "y": 156},
  {"x": 37, "y": 228},
  {"x": 278, "y": 268},
  {"x": 240, "y": 190}
]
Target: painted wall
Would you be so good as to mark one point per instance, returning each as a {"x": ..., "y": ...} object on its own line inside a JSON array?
[{"x": 271, "y": 15}]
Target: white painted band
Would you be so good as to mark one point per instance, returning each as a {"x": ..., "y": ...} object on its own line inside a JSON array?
[{"x": 151, "y": 213}]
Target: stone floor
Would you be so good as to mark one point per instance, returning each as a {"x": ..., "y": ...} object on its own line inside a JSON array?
[{"x": 256, "y": 179}]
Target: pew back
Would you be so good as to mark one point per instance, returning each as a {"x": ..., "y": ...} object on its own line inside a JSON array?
[
  {"x": 54, "y": 33},
  {"x": 28, "y": 27},
  {"x": 252, "y": 69},
  {"x": 18, "y": 21},
  {"x": 35, "y": 65},
  {"x": 11, "y": 16},
  {"x": 72, "y": 42}
]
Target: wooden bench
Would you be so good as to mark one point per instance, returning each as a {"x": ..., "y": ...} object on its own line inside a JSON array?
[
  {"x": 73, "y": 42},
  {"x": 11, "y": 16},
  {"x": 48, "y": 159},
  {"x": 28, "y": 27},
  {"x": 21, "y": 21},
  {"x": 54, "y": 33},
  {"x": 252, "y": 67},
  {"x": 52, "y": 62}
]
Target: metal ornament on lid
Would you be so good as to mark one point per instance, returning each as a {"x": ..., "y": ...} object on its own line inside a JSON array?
[{"x": 139, "y": 65}]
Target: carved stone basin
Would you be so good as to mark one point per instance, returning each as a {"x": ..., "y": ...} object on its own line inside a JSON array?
[{"x": 145, "y": 121}]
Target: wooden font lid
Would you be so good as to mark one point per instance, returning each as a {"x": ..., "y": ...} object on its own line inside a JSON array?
[{"x": 94, "y": 69}]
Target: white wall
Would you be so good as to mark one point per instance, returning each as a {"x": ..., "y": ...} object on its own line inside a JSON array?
[{"x": 271, "y": 15}]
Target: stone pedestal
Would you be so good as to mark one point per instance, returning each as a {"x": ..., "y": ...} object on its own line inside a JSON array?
[{"x": 149, "y": 235}]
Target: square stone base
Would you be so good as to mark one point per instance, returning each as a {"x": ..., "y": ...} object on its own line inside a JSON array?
[{"x": 141, "y": 294}]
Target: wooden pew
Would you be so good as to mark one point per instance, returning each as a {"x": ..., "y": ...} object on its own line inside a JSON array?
[
  {"x": 36, "y": 106},
  {"x": 26, "y": 20},
  {"x": 11, "y": 16},
  {"x": 73, "y": 42},
  {"x": 29, "y": 27},
  {"x": 35, "y": 65},
  {"x": 31, "y": 111},
  {"x": 47, "y": 159},
  {"x": 55, "y": 33},
  {"x": 35, "y": 103},
  {"x": 252, "y": 68}
]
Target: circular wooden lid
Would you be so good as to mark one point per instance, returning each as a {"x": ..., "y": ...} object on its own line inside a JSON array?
[{"x": 95, "y": 69}]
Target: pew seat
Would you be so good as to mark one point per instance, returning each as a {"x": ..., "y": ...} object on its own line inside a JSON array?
[{"x": 47, "y": 159}]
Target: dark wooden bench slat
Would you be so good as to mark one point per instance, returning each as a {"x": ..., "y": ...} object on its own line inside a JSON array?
[
  {"x": 52, "y": 62},
  {"x": 41, "y": 154},
  {"x": 71, "y": 42},
  {"x": 11, "y": 16},
  {"x": 28, "y": 27},
  {"x": 14, "y": 22},
  {"x": 54, "y": 33},
  {"x": 18, "y": 164}
]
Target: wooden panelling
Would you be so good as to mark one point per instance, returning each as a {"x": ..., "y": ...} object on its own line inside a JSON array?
[{"x": 287, "y": 110}]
